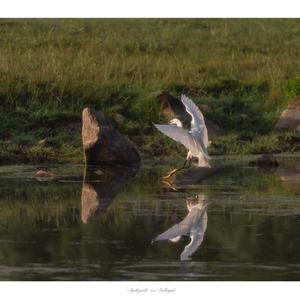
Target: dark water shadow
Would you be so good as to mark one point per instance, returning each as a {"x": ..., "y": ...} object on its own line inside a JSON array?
[{"x": 100, "y": 186}]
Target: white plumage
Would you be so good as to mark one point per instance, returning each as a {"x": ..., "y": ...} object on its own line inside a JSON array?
[
  {"x": 193, "y": 225},
  {"x": 196, "y": 139}
]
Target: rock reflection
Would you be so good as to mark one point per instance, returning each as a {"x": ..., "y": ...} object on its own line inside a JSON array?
[
  {"x": 100, "y": 187},
  {"x": 290, "y": 176},
  {"x": 193, "y": 225}
]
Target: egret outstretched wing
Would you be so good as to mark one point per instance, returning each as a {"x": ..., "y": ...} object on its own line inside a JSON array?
[
  {"x": 197, "y": 117},
  {"x": 192, "y": 108},
  {"x": 185, "y": 226},
  {"x": 183, "y": 136},
  {"x": 174, "y": 232}
]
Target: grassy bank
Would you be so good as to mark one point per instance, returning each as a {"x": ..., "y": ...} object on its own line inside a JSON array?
[{"x": 246, "y": 70}]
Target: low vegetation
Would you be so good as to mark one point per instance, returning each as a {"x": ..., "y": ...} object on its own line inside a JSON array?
[{"x": 246, "y": 70}]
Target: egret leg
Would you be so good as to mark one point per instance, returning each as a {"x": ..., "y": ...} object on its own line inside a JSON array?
[
  {"x": 166, "y": 177},
  {"x": 187, "y": 161},
  {"x": 184, "y": 164}
]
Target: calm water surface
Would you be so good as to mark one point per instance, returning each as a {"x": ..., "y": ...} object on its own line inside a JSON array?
[{"x": 235, "y": 223}]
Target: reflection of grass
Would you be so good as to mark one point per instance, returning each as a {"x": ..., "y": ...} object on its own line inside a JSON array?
[
  {"x": 37, "y": 203},
  {"x": 249, "y": 181},
  {"x": 40, "y": 222},
  {"x": 53, "y": 200},
  {"x": 50, "y": 69}
]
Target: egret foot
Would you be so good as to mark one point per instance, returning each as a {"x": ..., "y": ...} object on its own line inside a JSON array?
[{"x": 170, "y": 174}]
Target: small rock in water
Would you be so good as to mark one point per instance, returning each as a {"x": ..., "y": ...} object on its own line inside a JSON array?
[
  {"x": 43, "y": 173},
  {"x": 98, "y": 172},
  {"x": 266, "y": 160}
]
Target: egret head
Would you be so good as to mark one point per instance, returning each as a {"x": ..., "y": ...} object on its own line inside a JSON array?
[{"x": 175, "y": 121}]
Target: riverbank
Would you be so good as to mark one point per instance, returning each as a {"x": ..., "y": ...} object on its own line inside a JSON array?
[
  {"x": 246, "y": 71},
  {"x": 56, "y": 138}
]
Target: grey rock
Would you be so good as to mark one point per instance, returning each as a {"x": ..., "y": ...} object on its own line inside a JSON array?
[
  {"x": 44, "y": 173},
  {"x": 290, "y": 117},
  {"x": 102, "y": 143}
]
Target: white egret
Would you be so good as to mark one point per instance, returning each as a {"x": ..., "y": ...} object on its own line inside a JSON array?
[
  {"x": 193, "y": 225},
  {"x": 195, "y": 139}
]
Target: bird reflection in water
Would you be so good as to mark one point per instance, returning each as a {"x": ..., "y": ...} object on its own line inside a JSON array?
[
  {"x": 101, "y": 186},
  {"x": 169, "y": 184},
  {"x": 193, "y": 225}
]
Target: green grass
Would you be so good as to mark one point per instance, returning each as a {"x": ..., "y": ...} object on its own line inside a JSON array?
[{"x": 246, "y": 70}]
